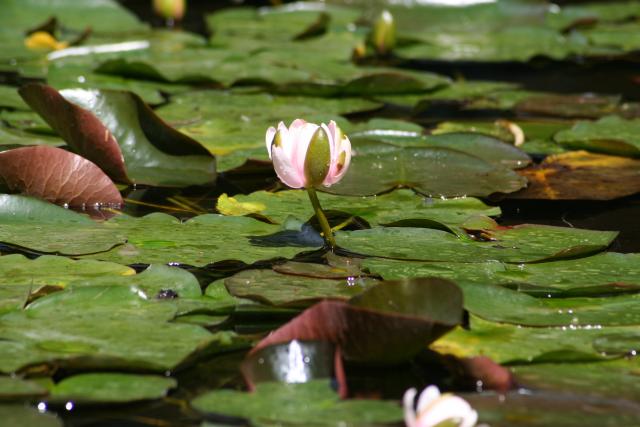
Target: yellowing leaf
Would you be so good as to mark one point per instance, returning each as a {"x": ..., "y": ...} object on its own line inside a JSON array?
[{"x": 229, "y": 206}]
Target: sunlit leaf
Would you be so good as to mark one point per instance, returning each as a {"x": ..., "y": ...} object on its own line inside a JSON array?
[{"x": 58, "y": 176}]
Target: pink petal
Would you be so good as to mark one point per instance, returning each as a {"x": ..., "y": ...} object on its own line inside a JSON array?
[
  {"x": 301, "y": 143},
  {"x": 342, "y": 145},
  {"x": 287, "y": 172}
]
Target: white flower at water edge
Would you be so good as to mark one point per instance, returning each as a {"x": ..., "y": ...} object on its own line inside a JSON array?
[{"x": 435, "y": 409}]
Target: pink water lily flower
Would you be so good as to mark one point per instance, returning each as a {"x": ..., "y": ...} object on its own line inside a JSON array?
[
  {"x": 435, "y": 409},
  {"x": 306, "y": 155}
]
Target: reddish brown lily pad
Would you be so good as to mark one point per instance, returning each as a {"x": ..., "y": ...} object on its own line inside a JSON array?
[
  {"x": 580, "y": 175},
  {"x": 388, "y": 323},
  {"x": 58, "y": 176},
  {"x": 81, "y": 129}
]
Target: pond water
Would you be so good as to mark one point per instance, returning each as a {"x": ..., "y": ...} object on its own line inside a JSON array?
[{"x": 487, "y": 229}]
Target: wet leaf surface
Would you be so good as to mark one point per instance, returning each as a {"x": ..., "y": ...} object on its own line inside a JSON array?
[
  {"x": 517, "y": 345},
  {"x": 608, "y": 270},
  {"x": 383, "y": 209},
  {"x": 228, "y": 122},
  {"x": 111, "y": 388},
  {"x": 543, "y": 302},
  {"x": 58, "y": 176},
  {"x": 518, "y": 244},
  {"x": 378, "y": 167},
  {"x": 589, "y": 379},
  {"x": 270, "y": 287},
  {"x": 14, "y": 388},
  {"x": 485, "y": 147},
  {"x": 298, "y": 404},
  {"x": 134, "y": 332},
  {"x": 151, "y": 239},
  {"x": 610, "y": 135},
  {"x": 20, "y": 415},
  {"x": 543, "y": 409}
]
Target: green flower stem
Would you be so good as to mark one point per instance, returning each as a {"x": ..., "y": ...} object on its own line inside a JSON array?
[{"x": 324, "y": 224}]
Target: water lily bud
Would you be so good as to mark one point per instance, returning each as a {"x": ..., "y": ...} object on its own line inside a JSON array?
[
  {"x": 307, "y": 155},
  {"x": 170, "y": 9},
  {"x": 383, "y": 36},
  {"x": 435, "y": 409}
]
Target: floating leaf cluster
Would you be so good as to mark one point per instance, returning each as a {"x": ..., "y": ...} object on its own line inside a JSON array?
[{"x": 200, "y": 279}]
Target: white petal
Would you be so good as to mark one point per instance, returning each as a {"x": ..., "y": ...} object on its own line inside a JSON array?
[
  {"x": 301, "y": 143},
  {"x": 428, "y": 395},
  {"x": 447, "y": 407},
  {"x": 409, "y": 412},
  {"x": 271, "y": 132}
]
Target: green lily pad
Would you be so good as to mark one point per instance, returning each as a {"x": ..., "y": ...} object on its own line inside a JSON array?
[
  {"x": 377, "y": 167},
  {"x": 485, "y": 147},
  {"x": 10, "y": 137},
  {"x": 384, "y": 209},
  {"x": 279, "y": 24},
  {"x": 111, "y": 388},
  {"x": 133, "y": 332},
  {"x": 520, "y": 43},
  {"x": 270, "y": 287},
  {"x": 228, "y": 122},
  {"x": 101, "y": 15},
  {"x": 508, "y": 306},
  {"x": 155, "y": 280},
  {"x": 464, "y": 92},
  {"x": 122, "y": 135},
  {"x": 21, "y": 278},
  {"x": 599, "y": 379},
  {"x": 622, "y": 36},
  {"x": 161, "y": 239},
  {"x": 13, "y": 388},
  {"x": 515, "y": 345},
  {"x": 518, "y": 244},
  {"x": 154, "y": 239},
  {"x": 622, "y": 344},
  {"x": 20, "y": 415},
  {"x": 310, "y": 403},
  {"x": 299, "y": 67},
  {"x": 34, "y": 224},
  {"x": 604, "y": 272},
  {"x": 539, "y": 409},
  {"x": 9, "y": 97},
  {"x": 55, "y": 270},
  {"x": 612, "y": 135}
]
